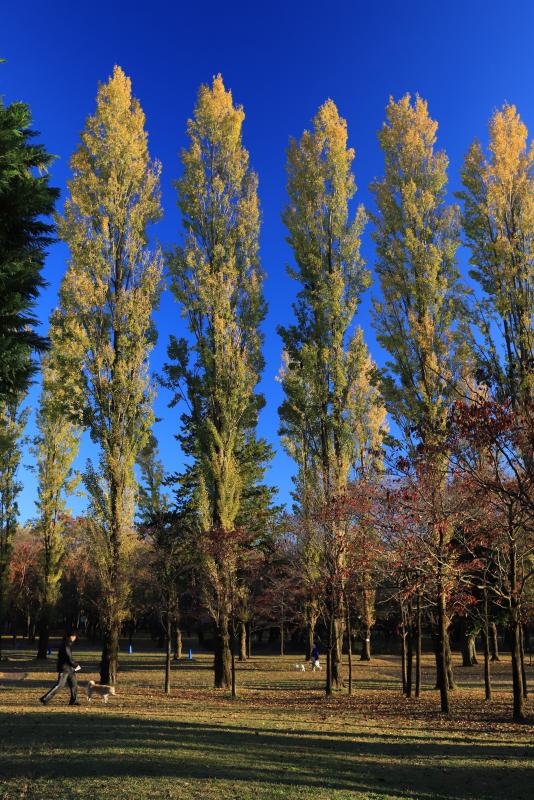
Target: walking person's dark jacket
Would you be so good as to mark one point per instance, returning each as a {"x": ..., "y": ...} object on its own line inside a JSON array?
[{"x": 64, "y": 656}]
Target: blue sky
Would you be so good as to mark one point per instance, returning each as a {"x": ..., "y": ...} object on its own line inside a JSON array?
[{"x": 281, "y": 60}]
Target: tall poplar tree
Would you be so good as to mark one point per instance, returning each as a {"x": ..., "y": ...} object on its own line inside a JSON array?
[
  {"x": 498, "y": 219},
  {"x": 12, "y": 423},
  {"x": 55, "y": 447},
  {"x": 107, "y": 299},
  {"x": 218, "y": 280},
  {"x": 323, "y": 356},
  {"x": 420, "y": 318}
]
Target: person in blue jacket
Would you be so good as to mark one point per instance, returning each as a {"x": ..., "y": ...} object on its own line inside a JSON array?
[
  {"x": 67, "y": 669},
  {"x": 315, "y": 653}
]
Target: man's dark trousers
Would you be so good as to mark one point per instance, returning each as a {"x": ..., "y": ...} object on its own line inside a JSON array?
[{"x": 67, "y": 677}]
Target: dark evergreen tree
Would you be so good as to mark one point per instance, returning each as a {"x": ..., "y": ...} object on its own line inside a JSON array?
[{"x": 26, "y": 200}]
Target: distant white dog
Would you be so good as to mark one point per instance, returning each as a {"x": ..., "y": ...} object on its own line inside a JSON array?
[
  {"x": 100, "y": 689},
  {"x": 316, "y": 665},
  {"x": 300, "y": 667}
]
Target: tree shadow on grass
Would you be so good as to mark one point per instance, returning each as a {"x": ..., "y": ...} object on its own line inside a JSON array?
[{"x": 80, "y": 745}]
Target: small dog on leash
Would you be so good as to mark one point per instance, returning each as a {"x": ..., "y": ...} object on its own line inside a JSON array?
[
  {"x": 316, "y": 665},
  {"x": 300, "y": 667},
  {"x": 99, "y": 689}
]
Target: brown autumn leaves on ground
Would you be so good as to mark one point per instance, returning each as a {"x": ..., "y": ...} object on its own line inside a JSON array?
[{"x": 281, "y": 737}]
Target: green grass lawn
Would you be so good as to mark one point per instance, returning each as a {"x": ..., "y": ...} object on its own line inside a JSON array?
[{"x": 280, "y": 739}]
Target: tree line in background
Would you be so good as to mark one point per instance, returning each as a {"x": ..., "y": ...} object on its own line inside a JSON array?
[{"x": 428, "y": 531}]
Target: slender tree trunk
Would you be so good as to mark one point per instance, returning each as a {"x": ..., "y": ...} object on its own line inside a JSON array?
[
  {"x": 403, "y": 649},
  {"x": 329, "y": 658},
  {"x": 494, "y": 642},
  {"x": 242, "y": 641},
  {"x": 523, "y": 670},
  {"x": 232, "y": 648},
  {"x": 469, "y": 654},
  {"x": 249, "y": 639},
  {"x": 409, "y": 654},
  {"x": 44, "y": 632},
  {"x": 517, "y": 673},
  {"x": 115, "y": 590},
  {"x": 282, "y": 625},
  {"x": 310, "y": 639},
  {"x": 515, "y": 625},
  {"x": 418, "y": 648},
  {"x": 487, "y": 670},
  {"x": 337, "y": 651},
  {"x": 168, "y": 653},
  {"x": 448, "y": 659},
  {"x": 110, "y": 651},
  {"x": 349, "y": 643},
  {"x": 223, "y": 660},
  {"x": 466, "y": 660},
  {"x": 473, "y": 648},
  {"x": 177, "y": 643},
  {"x": 366, "y": 644},
  {"x": 443, "y": 637}
]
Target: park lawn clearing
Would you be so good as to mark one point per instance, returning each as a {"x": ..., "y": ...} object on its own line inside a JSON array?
[{"x": 281, "y": 738}]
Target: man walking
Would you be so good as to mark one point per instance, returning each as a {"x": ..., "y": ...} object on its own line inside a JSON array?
[{"x": 67, "y": 669}]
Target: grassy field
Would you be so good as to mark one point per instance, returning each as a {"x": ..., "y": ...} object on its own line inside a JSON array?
[{"x": 281, "y": 738}]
